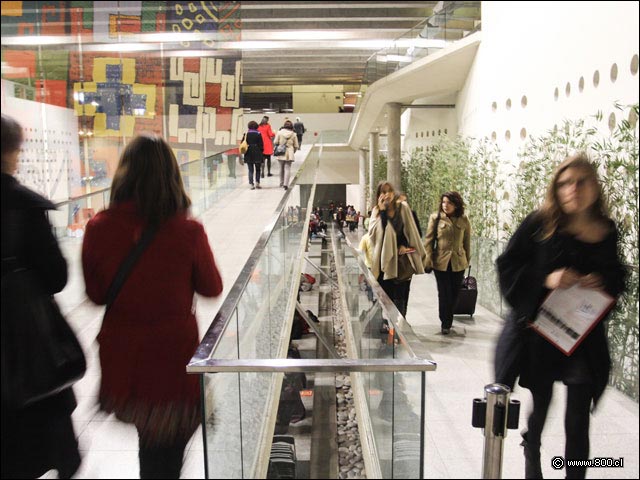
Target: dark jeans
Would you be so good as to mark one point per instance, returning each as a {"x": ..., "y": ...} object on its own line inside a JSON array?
[
  {"x": 266, "y": 165},
  {"x": 576, "y": 422},
  {"x": 448, "y": 288},
  {"x": 161, "y": 461},
  {"x": 253, "y": 166},
  {"x": 397, "y": 292},
  {"x": 299, "y": 135}
]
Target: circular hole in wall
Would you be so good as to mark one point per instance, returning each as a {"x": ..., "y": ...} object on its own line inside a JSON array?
[
  {"x": 634, "y": 64},
  {"x": 416, "y": 134},
  {"x": 439, "y": 132},
  {"x": 508, "y": 104},
  {"x": 596, "y": 78},
  {"x": 523, "y": 133},
  {"x": 567, "y": 89},
  {"x": 507, "y": 135},
  {"x": 523, "y": 101},
  {"x": 433, "y": 133},
  {"x": 614, "y": 72},
  {"x": 427, "y": 134},
  {"x": 556, "y": 94},
  {"x": 581, "y": 84},
  {"x": 612, "y": 121},
  {"x": 494, "y": 106},
  {"x": 494, "y": 136},
  {"x": 633, "y": 119},
  {"x": 445, "y": 131}
]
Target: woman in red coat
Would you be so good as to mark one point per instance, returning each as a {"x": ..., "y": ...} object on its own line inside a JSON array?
[
  {"x": 150, "y": 332},
  {"x": 267, "y": 140}
]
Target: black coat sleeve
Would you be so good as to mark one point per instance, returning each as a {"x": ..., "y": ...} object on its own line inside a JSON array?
[
  {"x": 42, "y": 251},
  {"x": 520, "y": 276},
  {"x": 415, "y": 219}
]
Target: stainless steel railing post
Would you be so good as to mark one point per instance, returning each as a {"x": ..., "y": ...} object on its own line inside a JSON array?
[{"x": 495, "y": 413}]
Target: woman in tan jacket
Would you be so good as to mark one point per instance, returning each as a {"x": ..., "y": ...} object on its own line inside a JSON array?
[{"x": 452, "y": 243}]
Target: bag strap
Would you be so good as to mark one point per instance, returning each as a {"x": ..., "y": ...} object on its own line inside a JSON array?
[
  {"x": 127, "y": 265},
  {"x": 434, "y": 242}
]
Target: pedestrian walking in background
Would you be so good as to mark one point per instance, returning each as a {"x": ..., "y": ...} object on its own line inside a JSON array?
[{"x": 448, "y": 246}]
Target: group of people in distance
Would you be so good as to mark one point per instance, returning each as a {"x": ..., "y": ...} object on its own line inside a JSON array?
[{"x": 263, "y": 143}]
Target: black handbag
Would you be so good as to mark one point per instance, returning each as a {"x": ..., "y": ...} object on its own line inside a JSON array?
[
  {"x": 280, "y": 150},
  {"x": 41, "y": 355}
]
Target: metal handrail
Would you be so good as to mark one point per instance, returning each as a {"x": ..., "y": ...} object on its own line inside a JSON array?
[
  {"x": 287, "y": 365},
  {"x": 80, "y": 197}
]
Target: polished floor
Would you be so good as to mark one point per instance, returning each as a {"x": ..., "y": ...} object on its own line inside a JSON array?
[{"x": 453, "y": 448}]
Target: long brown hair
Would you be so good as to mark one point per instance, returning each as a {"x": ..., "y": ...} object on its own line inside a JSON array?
[
  {"x": 148, "y": 174},
  {"x": 552, "y": 215}
]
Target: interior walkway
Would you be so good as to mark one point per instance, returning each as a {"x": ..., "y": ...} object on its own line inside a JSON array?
[{"x": 453, "y": 447}]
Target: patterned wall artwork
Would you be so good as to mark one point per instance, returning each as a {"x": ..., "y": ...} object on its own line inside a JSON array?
[
  {"x": 193, "y": 102},
  {"x": 114, "y": 98},
  {"x": 193, "y": 17},
  {"x": 206, "y": 103}
]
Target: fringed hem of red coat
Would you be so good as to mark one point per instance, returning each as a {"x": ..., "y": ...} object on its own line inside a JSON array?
[{"x": 159, "y": 424}]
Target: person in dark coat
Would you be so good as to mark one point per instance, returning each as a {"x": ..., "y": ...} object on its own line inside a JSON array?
[
  {"x": 570, "y": 240},
  {"x": 150, "y": 332},
  {"x": 40, "y": 437},
  {"x": 298, "y": 127},
  {"x": 254, "y": 156}
]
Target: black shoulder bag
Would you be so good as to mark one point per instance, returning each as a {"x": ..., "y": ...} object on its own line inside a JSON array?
[
  {"x": 128, "y": 264},
  {"x": 41, "y": 355}
]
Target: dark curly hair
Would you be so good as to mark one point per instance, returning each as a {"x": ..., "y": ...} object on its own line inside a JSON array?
[{"x": 456, "y": 199}]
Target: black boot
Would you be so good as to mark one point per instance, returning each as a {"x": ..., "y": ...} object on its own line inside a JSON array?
[{"x": 532, "y": 467}]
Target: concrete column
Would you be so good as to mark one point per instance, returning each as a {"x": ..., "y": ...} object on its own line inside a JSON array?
[
  {"x": 393, "y": 144},
  {"x": 374, "y": 151},
  {"x": 363, "y": 181}
]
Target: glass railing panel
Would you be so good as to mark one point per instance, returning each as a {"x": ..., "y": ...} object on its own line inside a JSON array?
[
  {"x": 71, "y": 217},
  {"x": 407, "y": 421},
  {"x": 454, "y": 22},
  {"x": 483, "y": 268},
  {"x": 395, "y": 400},
  {"x": 223, "y": 427},
  {"x": 261, "y": 303},
  {"x": 206, "y": 181}
]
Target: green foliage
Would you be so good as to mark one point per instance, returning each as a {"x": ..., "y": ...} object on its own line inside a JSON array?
[
  {"x": 379, "y": 169},
  {"x": 465, "y": 166},
  {"x": 538, "y": 158}
]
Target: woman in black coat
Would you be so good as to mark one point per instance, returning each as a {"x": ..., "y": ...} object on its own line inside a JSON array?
[
  {"x": 253, "y": 157},
  {"x": 570, "y": 240},
  {"x": 40, "y": 437}
]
